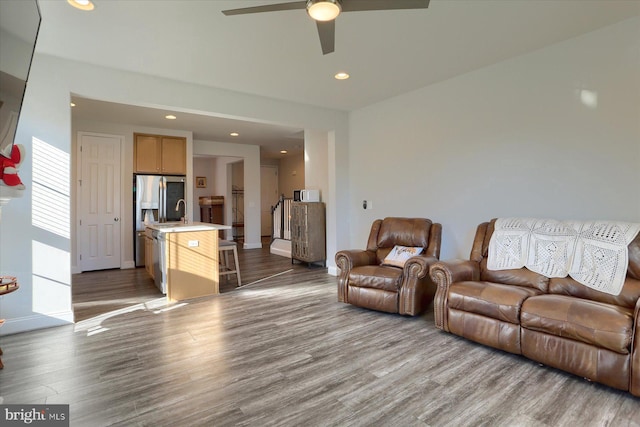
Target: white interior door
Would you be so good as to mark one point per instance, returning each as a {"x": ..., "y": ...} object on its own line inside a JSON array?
[
  {"x": 99, "y": 204},
  {"x": 268, "y": 196}
]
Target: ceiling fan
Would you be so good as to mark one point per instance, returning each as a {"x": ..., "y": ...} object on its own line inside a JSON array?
[{"x": 324, "y": 12}]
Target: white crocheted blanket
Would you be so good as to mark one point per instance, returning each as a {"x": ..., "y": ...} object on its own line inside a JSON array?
[{"x": 593, "y": 253}]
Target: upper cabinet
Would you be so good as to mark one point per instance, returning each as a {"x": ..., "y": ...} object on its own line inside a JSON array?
[{"x": 160, "y": 154}]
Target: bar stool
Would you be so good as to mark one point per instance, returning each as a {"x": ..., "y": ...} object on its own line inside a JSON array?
[{"x": 224, "y": 246}]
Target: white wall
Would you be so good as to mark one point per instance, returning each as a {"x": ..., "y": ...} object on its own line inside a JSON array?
[
  {"x": 41, "y": 258},
  {"x": 291, "y": 174},
  {"x": 237, "y": 177},
  {"x": 512, "y": 139},
  {"x": 316, "y": 152},
  {"x": 250, "y": 154}
]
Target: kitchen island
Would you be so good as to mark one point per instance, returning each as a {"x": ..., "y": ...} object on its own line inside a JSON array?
[{"x": 183, "y": 258}]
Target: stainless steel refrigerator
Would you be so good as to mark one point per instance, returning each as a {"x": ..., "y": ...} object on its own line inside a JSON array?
[{"x": 155, "y": 199}]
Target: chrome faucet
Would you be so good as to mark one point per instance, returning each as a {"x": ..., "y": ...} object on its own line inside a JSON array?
[{"x": 184, "y": 218}]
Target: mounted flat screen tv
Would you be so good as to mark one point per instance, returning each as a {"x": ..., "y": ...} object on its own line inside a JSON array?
[{"x": 19, "y": 25}]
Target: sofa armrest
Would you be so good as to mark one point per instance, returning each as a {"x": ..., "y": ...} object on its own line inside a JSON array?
[
  {"x": 443, "y": 275},
  {"x": 418, "y": 266},
  {"x": 458, "y": 270},
  {"x": 417, "y": 289},
  {"x": 634, "y": 380},
  {"x": 347, "y": 260}
]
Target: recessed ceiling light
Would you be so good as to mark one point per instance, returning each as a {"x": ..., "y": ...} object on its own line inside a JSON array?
[
  {"x": 234, "y": 134},
  {"x": 283, "y": 151},
  {"x": 341, "y": 76},
  {"x": 170, "y": 117},
  {"x": 73, "y": 104},
  {"x": 589, "y": 98},
  {"x": 81, "y": 4}
]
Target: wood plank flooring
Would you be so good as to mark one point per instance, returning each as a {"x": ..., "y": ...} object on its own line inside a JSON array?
[
  {"x": 134, "y": 286},
  {"x": 281, "y": 352}
]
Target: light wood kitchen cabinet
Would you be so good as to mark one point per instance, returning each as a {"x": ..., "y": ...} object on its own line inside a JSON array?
[
  {"x": 160, "y": 154},
  {"x": 174, "y": 155},
  {"x": 184, "y": 259},
  {"x": 308, "y": 232},
  {"x": 192, "y": 265}
]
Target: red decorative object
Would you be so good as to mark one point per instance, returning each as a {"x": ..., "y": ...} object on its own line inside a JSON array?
[{"x": 9, "y": 167}]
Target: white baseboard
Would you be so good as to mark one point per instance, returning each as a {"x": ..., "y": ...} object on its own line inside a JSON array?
[
  {"x": 128, "y": 264},
  {"x": 252, "y": 246},
  {"x": 333, "y": 270},
  {"x": 36, "y": 321},
  {"x": 125, "y": 265}
]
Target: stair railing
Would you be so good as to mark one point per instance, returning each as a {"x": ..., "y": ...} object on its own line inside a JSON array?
[{"x": 281, "y": 219}]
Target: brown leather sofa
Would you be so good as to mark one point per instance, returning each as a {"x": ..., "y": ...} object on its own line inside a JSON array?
[
  {"x": 557, "y": 322},
  {"x": 365, "y": 282}
]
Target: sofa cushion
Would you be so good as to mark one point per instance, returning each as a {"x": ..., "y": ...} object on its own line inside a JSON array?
[
  {"x": 377, "y": 277},
  {"x": 485, "y": 330},
  {"x": 404, "y": 231},
  {"x": 501, "y": 302},
  {"x": 568, "y": 286},
  {"x": 591, "y": 322},
  {"x": 518, "y": 277}
]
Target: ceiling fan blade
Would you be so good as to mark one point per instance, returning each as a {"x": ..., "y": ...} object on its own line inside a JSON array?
[
  {"x": 327, "y": 33},
  {"x": 267, "y": 8},
  {"x": 362, "y": 5}
]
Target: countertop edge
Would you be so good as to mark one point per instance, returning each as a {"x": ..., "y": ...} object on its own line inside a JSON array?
[{"x": 189, "y": 227}]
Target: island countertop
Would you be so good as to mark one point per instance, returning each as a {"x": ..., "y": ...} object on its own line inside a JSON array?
[{"x": 177, "y": 227}]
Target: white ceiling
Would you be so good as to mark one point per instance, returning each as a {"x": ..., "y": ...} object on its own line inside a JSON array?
[{"x": 277, "y": 54}]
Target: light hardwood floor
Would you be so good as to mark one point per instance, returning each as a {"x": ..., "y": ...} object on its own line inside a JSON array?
[{"x": 281, "y": 351}]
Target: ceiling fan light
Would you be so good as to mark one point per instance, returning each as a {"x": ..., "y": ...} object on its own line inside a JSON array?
[
  {"x": 323, "y": 10},
  {"x": 81, "y": 4}
]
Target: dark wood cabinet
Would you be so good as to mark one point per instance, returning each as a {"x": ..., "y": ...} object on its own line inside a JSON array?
[
  {"x": 212, "y": 210},
  {"x": 308, "y": 232}
]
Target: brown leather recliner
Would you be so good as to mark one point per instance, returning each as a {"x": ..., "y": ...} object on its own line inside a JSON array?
[{"x": 365, "y": 282}]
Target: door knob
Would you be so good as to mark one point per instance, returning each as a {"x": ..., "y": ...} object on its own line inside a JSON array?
[{"x": 116, "y": 219}]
